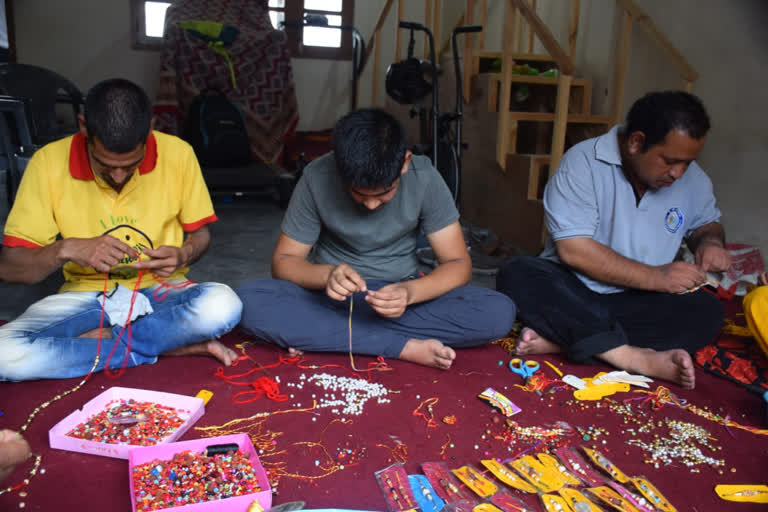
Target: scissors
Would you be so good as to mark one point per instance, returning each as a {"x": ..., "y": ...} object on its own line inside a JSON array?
[{"x": 525, "y": 369}]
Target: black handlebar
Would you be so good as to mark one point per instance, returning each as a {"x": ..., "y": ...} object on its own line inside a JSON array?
[
  {"x": 411, "y": 25},
  {"x": 468, "y": 28}
]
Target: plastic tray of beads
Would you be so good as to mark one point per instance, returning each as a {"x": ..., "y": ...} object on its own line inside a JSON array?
[
  {"x": 143, "y": 455},
  {"x": 188, "y": 408}
]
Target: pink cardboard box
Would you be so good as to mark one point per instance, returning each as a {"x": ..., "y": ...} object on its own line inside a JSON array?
[
  {"x": 187, "y": 406},
  {"x": 145, "y": 454}
]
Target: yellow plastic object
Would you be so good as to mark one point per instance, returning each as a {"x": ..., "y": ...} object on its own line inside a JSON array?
[
  {"x": 553, "y": 463},
  {"x": 205, "y": 395},
  {"x": 598, "y": 391},
  {"x": 554, "y": 503},
  {"x": 652, "y": 494},
  {"x": 606, "y": 465},
  {"x": 578, "y": 501},
  {"x": 486, "y": 507},
  {"x": 743, "y": 493},
  {"x": 508, "y": 477},
  {"x": 475, "y": 481},
  {"x": 612, "y": 498},
  {"x": 538, "y": 474}
]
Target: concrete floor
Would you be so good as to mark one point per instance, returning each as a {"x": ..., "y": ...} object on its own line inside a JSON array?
[{"x": 241, "y": 249}]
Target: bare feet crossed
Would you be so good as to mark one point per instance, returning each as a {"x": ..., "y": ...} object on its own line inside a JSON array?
[
  {"x": 674, "y": 365},
  {"x": 294, "y": 352},
  {"x": 530, "y": 343},
  {"x": 429, "y": 353},
  {"x": 214, "y": 348}
]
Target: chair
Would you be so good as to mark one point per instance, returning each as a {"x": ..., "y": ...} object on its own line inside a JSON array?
[
  {"x": 45, "y": 93},
  {"x": 16, "y": 146}
]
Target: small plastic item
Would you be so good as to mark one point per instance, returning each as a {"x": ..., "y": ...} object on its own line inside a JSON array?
[
  {"x": 577, "y": 501},
  {"x": 504, "y": 404},
  {"x": 475, "y": 481},
  {"x": 216, "y": 449},
  {"x": 393, "y": 481},
  {"x": 606, "y": 465},
  {"x": 501, "y": 472},
  {"x": 555, "y": 503},
  {"x": 611, "y": 498},
  {"x": 743, "y": 493},
  {"x": 653, "y": 495},
  {"x": 537, "y": 474},
  {"x": 578, "y": 466},
  {"x": 553, "y": 463},
  {"x": 595, "y": 391},
  {"x": 205, "y": 395},
  {"x": 446, "y": 485},
  {"x": 509, "y": 503},
  {"x": 425, "y": 495},
  {"x": 574, "y": 381}
]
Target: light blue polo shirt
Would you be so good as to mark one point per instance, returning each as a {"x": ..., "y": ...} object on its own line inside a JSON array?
[{"x": 589, "y": 196}]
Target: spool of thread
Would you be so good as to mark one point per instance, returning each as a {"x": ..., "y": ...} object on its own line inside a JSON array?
[{"x": 216, "y": 449}]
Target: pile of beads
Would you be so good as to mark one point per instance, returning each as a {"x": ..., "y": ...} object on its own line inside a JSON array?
[
  {"x": 192, "y": 478},
  {"x": 130, "y": 422},
  {"x": 354, "y": 393},
  {"x": 682, "y": 445}
]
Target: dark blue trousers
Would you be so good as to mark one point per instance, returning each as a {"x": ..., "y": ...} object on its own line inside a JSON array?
[
  {"x": 558, "y": 306},
  {"x": 291, "y": 316}
]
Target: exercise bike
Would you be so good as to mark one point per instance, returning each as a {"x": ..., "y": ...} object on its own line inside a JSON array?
[{"x": 439, "y": 133}]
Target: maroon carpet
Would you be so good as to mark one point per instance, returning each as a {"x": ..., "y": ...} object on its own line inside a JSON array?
[{"x": 75, "y": 481}]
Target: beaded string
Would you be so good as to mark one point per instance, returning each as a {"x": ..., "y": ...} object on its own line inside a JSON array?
[
  {"x": 662, "y": 396},
  {"x": 399, "y": 452},
  {"x": 429, "y": 416},
  {"x": 379, "y": 364}
]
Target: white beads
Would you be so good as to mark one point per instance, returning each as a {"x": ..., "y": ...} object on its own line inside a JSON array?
[{"x": 354, "y": 393}]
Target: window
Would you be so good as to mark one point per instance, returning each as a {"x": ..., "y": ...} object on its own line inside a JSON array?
[
  {"x": 148, "y": 23},
  {"x": 315, "y": 42}
]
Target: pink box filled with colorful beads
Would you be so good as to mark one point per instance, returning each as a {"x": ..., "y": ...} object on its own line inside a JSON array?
[
  {"x": 174, "y": 472},
  {"x": 120, "y": 419}
]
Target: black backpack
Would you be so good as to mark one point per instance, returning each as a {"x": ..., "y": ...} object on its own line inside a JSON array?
[{"x": 215, "y": 128}]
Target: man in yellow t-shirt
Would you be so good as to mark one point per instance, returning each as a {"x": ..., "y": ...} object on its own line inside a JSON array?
[
  {"x": 111, "y": 205},
  {"x": 756, "y": 312}
]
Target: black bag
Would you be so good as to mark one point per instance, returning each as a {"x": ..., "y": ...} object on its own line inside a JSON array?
[{"x": 216, "y": 130}]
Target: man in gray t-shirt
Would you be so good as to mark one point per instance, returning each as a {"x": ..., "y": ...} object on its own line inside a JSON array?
[
  {"x": 617, "y": 209},
  {"x": 350, "y": 234}
]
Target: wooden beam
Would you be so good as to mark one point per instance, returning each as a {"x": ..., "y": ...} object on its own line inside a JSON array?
[
  {"x": 509, "y": 29},
  {"x": 484, "y": 23},
  {"x": 428, "y": 24},
  {"x": 561, "y": 121},
  {"x": 564, "y": 63},
  {"x": 620, "y": 67},
  {"x": 375, "y": 74},
  {"x": 380, "y": 23},
  {"x": 573, "y": 29},
  {"x": 469, "y": 17},
  {"x": 505, "y": 122},
  {"x": 686, "y": 70},
  {"x": 398, "y": 32},
  {"x": 437, "y": 21},
  {"x": 531, "y": 35},
  {"x": 519, "y": 26}
]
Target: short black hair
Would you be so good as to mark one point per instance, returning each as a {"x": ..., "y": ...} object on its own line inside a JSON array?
[
  {"x": 369, "y": 147},
  {"x": 658, "y": 113},
  {"x": 118, "y": 113}
]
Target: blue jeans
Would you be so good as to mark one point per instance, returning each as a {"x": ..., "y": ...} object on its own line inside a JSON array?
[
  {"x": 43, "y": 342},
  {"x": 287, "y": 314}
]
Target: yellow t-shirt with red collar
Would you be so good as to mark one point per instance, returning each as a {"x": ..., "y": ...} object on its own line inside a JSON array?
[{"x": 60, "y": 195}]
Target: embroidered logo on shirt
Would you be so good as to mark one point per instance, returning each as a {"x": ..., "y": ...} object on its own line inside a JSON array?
[{"x": 673, "y": 220}]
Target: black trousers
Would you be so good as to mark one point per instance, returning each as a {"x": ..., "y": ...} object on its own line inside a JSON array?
[{"x": 555, "y": 303}]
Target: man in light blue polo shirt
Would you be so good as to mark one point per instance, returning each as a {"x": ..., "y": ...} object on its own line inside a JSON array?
[{"x": 607, "y": 285}]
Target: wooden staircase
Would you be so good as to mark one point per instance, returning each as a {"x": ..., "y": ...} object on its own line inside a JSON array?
[{"x": 518, "y": 125}]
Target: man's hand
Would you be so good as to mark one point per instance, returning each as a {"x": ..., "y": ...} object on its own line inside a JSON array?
[
  {"x": 763, "y": 279},
  {"x": 678, "y": 276},
  {"x": 712, "y": 257},
  {"x": 389, "y": 301},
  {"x": 343, "y": 281},
  {"x": 165, "y": 260},
  {"x": 14, "y": 450},
  {"x": 101, "y": 253}
]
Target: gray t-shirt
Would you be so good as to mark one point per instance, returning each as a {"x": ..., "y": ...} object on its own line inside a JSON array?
[
  {"x": 378, "y": 244},
  {"x": 589, "y": 196}
]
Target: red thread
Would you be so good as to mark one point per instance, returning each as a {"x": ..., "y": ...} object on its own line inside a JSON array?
[{"x": 262, "y": 386}]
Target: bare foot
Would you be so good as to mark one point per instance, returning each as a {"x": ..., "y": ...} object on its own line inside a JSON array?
[
  {"x": 429, "y": 353},
  {"x": 673, "y": 365},
  {"x": 295, "y": 352},
  {"x": 531, "y": 343},
  {"x": 13, "y": 450},
  {"x": 214, "y": 348},
  {"x": 106, "y": 333}
]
